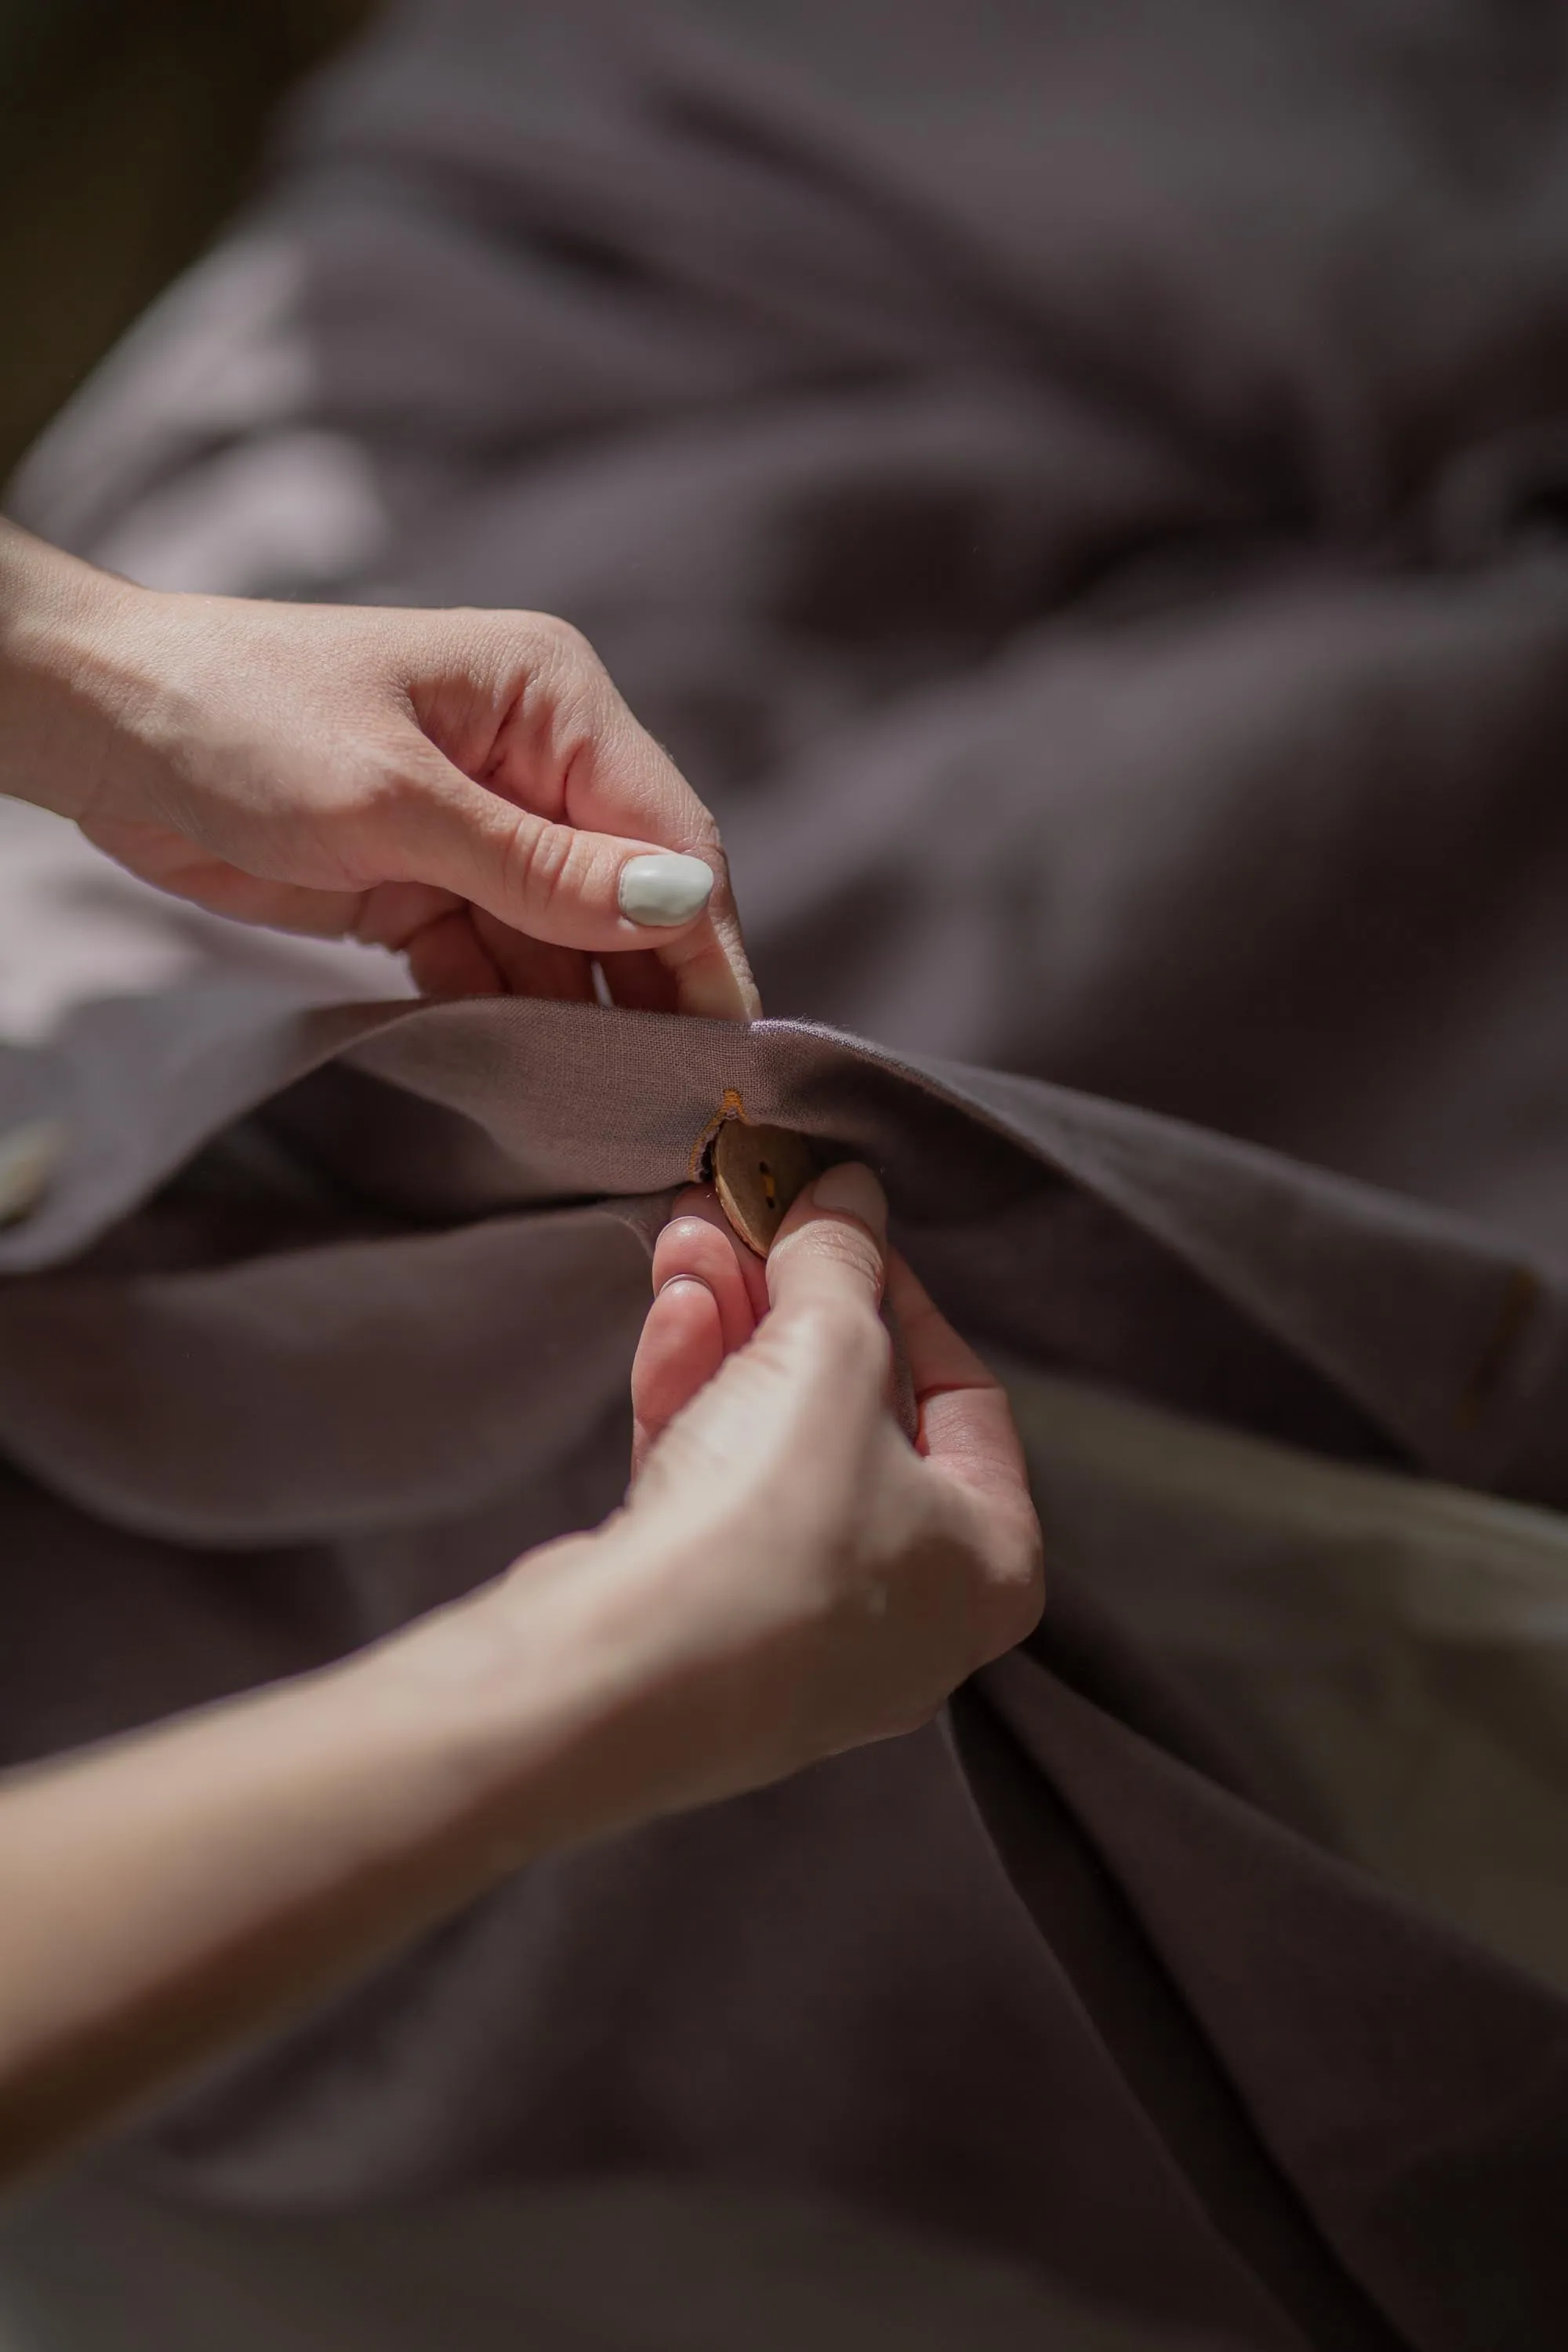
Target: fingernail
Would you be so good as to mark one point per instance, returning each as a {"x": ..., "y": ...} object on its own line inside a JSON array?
[
  {"x": 664, "y": 889},
  {"x": 683, "y": 1282},
  {"x": 852, "y": 1190}
]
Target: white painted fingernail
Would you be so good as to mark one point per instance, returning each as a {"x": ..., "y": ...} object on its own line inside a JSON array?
[
  {"x": 853, "y": 1191},
  {"x": 664, "y": 889}
]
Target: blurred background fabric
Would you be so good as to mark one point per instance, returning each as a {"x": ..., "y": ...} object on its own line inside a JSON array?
[{"x": 128, "y": 130}]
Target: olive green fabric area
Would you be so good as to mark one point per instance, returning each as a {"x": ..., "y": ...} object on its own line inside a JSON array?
[{"x": 1385, "y": 1656}]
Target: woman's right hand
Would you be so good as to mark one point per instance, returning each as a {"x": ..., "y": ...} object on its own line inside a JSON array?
[
  {"x": 815, "y": 1580},
  {"x": 789, "y": 1576}
]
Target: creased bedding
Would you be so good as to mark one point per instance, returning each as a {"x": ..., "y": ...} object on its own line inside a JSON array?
[{"x": 1077, "y": 489}]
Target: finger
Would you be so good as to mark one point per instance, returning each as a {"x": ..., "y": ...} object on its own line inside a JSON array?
[
  {"x": 576, "y": 888},
  {"x": 429, "y": 926},
  {"x": 531, "y": 968},
  {"x": 708, "y": 966},
  {"x": 185, "y": 871},
  {"x": 831, "y": 1247},
  {"x": 968, "y": 1437},
  {"x": 852, "y": 1192},
  {"x": 902, "y": 1402},
  {"x": 681, "y": 1348},
  {"x": 446, "y": 959},
  {"x": 939, "y": 1359},
  {"x": 459, "y": 950},
  {"x": 588, "y": 891},
  {"x": 575, "y": 743},
  {"x": 640, "y": 983},
  {"x": 697, "y": 1241},
  {"x": 703, "y": 1201},
  {"x": 965, "y": 1422},
  {"x": 683, "y": 1344},
  {"x": 692, "y": 975}
]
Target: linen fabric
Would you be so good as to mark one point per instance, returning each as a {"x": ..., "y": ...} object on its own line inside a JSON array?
[
  {"x": 1077, "y": 490},
  {"x": 354, "y": 1323}
]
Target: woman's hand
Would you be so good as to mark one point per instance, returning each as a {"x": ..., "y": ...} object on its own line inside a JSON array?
[
  {"x": 466, "y": 788},
  {"x": 821, "y": 1581},
  {"x": 789, "y": 1578}
]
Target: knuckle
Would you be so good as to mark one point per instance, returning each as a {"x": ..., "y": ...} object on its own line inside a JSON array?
[
  {"x": 378, "y": 793},
  {"x": 539, "y": 859},
  {"x": 837, "y": 1242},
  {"x": 848, "y": 1333},
  {"x": 442, "y": 626},
  {"x": 1013, "y": 1592},
  {"x": 700, "y": 837},
  {"x": 560, "y": 647}
]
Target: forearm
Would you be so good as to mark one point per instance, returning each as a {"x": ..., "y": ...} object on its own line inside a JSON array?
[
  {"x": 789, "y": 1579},
  {"x": 166, "y": 1895},
  {"x": 57, "y": 685}
]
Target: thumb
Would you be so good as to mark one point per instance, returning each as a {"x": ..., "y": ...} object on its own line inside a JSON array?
[
  {"x": 558, "y": 883},
  {"x": 831, "y": 1249},
  {"x": 811, "y": 1376},
  {"x": 597, "y": 892}
]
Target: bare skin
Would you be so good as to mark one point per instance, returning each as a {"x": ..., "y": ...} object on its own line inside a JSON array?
[
  {"x": 465, "y": 788},
  {"x": 171, "y": 1893},
  {"x": 469, "y": 788}
]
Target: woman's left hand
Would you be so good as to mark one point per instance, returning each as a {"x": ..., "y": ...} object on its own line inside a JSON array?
[{"x": 466, "y": 788}]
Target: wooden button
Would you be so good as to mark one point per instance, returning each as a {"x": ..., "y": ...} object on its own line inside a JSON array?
[{"x": 758, "y": 1171}]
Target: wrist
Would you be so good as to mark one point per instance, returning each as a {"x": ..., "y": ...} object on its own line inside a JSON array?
[
  {"x": 560, "y": 1702},
  {"x": 59, "y": 679},
  {"x": 510, "y": 1693}
]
